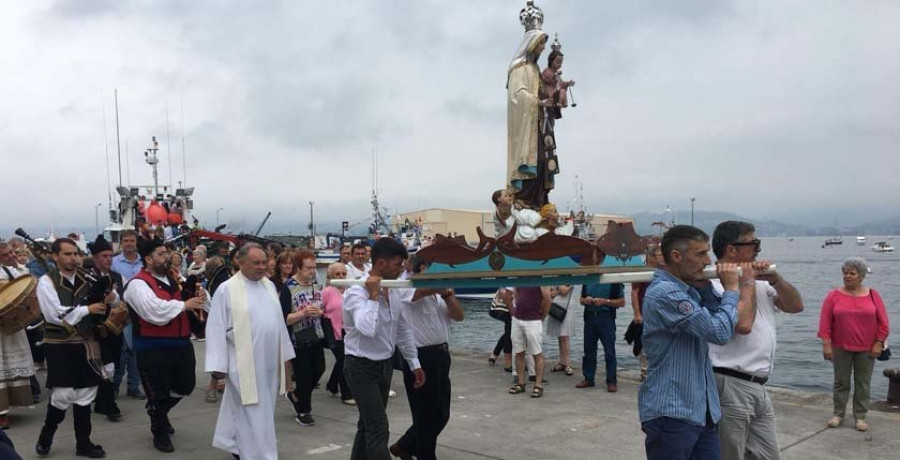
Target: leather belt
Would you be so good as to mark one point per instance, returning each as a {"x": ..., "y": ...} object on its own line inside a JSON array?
[
  {"x": 438, "y": 347},
  {"x": 740, "y": 375}
]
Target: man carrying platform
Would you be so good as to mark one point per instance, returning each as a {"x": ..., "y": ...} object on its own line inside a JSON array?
[
  {"x": 162, "y": 337},
  {"x": 73, "y": 357}
]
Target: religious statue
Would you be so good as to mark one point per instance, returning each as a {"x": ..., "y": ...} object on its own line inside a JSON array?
[
  {"x": 553, "y": 87},
  {"x": 531, "y": 145}
]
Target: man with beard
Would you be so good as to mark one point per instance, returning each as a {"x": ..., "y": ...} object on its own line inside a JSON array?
[
  {"x": 162, "y": 337},
  {"x": 73, "y": 380},
  {"x": 111, "y": 344}
]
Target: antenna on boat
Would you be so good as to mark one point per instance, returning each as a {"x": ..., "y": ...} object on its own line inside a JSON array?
[
  {"x": 183, "y": 158},
  {"x": 118, "y": 140},
  {"x": 169, "y": 144},
  {"x": 106, "y": 152}
]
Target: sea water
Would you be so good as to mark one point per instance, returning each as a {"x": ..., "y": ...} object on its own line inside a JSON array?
[{"x": 799, "y": 364}]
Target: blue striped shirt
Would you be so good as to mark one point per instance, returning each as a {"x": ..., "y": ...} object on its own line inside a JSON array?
[{"x": 679, "y": 321}]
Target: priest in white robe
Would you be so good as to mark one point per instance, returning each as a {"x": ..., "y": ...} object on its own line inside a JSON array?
[{"x": 247, "y": 344}]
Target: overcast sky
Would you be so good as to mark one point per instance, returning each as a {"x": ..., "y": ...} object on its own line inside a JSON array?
[{"x": 773, "y": 109}]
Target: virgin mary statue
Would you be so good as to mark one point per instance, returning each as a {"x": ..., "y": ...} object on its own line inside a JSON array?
[{"x": 527, "y": 172}]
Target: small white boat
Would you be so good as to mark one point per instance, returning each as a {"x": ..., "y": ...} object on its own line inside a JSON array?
[
  {"x": 882, "y": 246},
  {"x": 860, "y": 241}
]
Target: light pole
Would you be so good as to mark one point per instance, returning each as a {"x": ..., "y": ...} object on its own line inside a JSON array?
[
  {"x": 217, "y": 216},
  {"x": 692, "y": 210},
  {"x": 97, "y": 217},
  {"x": 312, "y": 225}
]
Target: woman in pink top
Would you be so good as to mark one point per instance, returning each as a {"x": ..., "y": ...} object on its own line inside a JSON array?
[
  {"x": 853, "y": 327},
  {"x": 332, "y": 301}
]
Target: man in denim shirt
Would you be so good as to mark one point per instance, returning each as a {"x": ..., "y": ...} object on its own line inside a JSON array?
[{"x": 679, "y": 403}]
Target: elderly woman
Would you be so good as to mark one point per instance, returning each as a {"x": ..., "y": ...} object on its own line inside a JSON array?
[
  {"x": 332, "y": 304},
  {"x": 198, "y": 266},
  {"x": 853, "y": 327}
]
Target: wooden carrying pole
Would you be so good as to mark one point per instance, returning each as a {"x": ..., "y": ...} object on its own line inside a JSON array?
[{"x": 457, "y": 281}]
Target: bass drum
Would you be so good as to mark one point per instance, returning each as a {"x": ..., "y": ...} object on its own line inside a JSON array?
[{"x": 18, "y": 304}]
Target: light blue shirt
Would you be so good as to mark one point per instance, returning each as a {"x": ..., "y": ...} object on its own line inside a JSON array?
[
  {"x": 679, "y": 321},
  {"x": 126, "y": 268}
]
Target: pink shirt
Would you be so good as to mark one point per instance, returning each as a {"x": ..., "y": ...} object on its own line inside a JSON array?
[
  {"x": 333, "y": 301},
  {"x": 853, "y": 323}
]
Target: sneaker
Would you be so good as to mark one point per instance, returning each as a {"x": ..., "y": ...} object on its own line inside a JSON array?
[
  {"x": 861, "y": 425},
  {"x": 349, "y": 402},
  {"x": 392, "y": 394},
  {"x": 834, "y": 422},
  {"x": 305, "y": 420}
]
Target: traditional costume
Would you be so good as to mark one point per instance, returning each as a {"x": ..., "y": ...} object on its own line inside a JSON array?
[
  {"x": 162, "y": 341},
  {"x": 246, "y": 339},
  {"x": 16, "y": 365},
  {"x": 110, "y": 338},
  {"x": 73, "y": 359}
]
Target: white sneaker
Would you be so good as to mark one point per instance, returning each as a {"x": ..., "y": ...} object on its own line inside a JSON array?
[
  {"x": 349, "y": 402},
  {"x": 392, "y": 394}
]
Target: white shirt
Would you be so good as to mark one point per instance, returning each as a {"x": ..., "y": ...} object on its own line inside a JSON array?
[
  {"x": 14, "y": 271},
  {"x": 502, "y": 226},
  {"x": 354, "y": 273},
  {"x": 427, "y": 317},
  {"x": 51, "y": 308},
  {"x": 752, "y": 353},
  {"x": 373, "y": 327},
  {"x": 140, "y": 296}
]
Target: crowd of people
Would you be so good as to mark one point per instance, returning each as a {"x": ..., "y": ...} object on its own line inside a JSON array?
[{"x": 267, "y": 321}]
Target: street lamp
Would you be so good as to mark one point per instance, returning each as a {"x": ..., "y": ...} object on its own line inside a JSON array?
[
  {"x": 97, "y": 217},
  {"x": 692, "y": 210},
  {"x": 217, "y": 216}
]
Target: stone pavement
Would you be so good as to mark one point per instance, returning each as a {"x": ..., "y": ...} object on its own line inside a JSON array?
[{"x": 486, "y": 423}]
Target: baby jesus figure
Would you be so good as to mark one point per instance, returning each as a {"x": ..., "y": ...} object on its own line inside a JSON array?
[{"x": 553, "y": 87}]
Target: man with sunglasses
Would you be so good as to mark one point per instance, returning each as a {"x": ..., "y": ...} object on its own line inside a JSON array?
[{"x": 742, "y": 366}]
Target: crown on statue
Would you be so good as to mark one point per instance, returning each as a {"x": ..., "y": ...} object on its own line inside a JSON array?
[
  {"x": 556, "y": 46},
  {"x": 531, "y": 17}
]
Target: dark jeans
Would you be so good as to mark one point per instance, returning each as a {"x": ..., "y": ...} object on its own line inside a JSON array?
[
  {"x": 337, "y": 380},
  {"x": 505, "y": 342},
  {"x": 7, "y": 449},
  {"x": 370, "y": 382},
  {"x": 430, "y": 405},
  {"x": 309, "y": 365},
  {"x": 599, "y": 324},
  {"x": 673, "y": 439},
  {"x": 127, "y": 362}
]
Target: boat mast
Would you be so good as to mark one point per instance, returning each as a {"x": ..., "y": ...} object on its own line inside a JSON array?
[{"x": 118, "y": 140}]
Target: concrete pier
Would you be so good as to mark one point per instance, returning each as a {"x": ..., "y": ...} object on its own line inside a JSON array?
[{"x": 486, "y": 423}]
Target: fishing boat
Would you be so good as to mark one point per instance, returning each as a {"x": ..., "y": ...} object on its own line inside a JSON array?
[
  {"x": 882, "y": 246},
  {"x": 833, "y": 241}
]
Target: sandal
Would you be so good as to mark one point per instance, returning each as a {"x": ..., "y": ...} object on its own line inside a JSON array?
[
  {"x": 537, "y": 392},
  {"x": 569, "y": 371},
  {"x": 559, "y": 367},
  {"x": 508, "y": 369},
  {"x": 516, "y": 389}
]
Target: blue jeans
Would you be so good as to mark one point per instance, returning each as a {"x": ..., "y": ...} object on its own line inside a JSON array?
[
  {"x": 128, "y": 362},
  {"x": 599, "y": 324},
  {"x": 673, "y": 439}
]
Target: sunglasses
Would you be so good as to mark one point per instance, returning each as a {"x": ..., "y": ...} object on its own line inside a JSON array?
[{"x": 756, "y": 243}]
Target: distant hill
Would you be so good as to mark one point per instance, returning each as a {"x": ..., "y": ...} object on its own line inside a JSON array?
[{"x": 707, "y": 221}]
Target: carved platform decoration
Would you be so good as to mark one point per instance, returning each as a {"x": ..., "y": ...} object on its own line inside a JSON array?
[{"x": 550, "y": 260}]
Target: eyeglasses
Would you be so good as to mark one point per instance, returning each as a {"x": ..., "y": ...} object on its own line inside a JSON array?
[{"x": 756, "y": 243}]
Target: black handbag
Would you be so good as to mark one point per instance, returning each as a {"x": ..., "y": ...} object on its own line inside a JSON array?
[
  {"x": 306, "y": 337},
  {"x": 558, "y": 312}
]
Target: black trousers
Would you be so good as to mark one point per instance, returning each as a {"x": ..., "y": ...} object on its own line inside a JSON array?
[
  {"x": 505, "y": 342},
  {"x": 370, "y": 382},
  {"x": 308, "y": 366},
  {"x": 430, "y": 404},
  {"x": 337, "y": 380},
  {"x": 165, "y": 371}
]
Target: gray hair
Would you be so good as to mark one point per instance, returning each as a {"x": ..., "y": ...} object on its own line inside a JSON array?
[
  {"x": 245, "y": 249},
  {"x": 858, "y": 264}
]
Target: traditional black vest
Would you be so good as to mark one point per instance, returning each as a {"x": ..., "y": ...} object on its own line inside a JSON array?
[{"x": 69, "y": 296}]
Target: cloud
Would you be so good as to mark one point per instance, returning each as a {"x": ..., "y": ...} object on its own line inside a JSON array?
[{"x": 768, "y": 109}]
